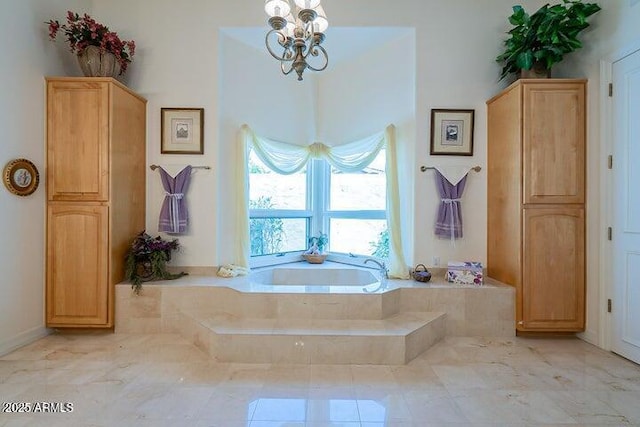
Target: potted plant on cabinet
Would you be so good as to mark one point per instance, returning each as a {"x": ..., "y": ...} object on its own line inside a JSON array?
[
  {"x": 101, "y": 52},
  {"x": 540, "y": 40}
]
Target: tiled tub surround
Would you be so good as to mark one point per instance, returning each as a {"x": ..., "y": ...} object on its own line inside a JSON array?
[{"x": 270, "y": 317}]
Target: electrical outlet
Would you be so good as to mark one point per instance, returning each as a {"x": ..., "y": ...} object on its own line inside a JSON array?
[{"x": 436, "y": 261}]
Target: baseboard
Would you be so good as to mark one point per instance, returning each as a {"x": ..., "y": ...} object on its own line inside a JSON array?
[
  {"x": 23, "y": 339},
  {"x": 591, "y": 337}
]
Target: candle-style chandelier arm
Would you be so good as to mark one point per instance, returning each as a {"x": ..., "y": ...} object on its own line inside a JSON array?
[
  {"x": 284, "y": 42},
  {"x": 283, "y": 68},
  {"x": 314, "y": 51}
]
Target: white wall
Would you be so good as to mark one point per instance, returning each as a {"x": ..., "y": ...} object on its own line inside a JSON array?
[
  {"x": 361, "y": 95},
  {"x": 27, "y": 56}
]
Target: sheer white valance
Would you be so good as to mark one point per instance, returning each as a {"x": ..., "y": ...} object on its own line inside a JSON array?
[{"x": 285, "y": 158}]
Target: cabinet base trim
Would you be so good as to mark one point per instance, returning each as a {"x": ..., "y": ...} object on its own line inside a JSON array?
[
  {"x": 546, "y": 334},
  {"x": 88, "y": 326}
]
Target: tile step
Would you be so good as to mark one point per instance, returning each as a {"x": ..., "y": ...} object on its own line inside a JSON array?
[
  {"x": 395, "y": 340},
  {"x": 400, "y": 324}
]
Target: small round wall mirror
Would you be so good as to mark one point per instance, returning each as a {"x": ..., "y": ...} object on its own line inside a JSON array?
[{"x": 21, "y": 177}]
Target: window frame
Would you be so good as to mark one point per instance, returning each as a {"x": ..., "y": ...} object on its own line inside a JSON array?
[{"x": 318, "y": 215}]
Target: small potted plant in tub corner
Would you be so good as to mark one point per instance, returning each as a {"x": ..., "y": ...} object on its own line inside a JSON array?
[{"x": 315, "y": 254}]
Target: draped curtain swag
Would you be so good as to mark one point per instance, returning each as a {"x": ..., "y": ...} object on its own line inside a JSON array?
[
  {"x": 449, "y": 219},
  {"x": 287, "y": 159},
  {"x": 174, "y": 216}
]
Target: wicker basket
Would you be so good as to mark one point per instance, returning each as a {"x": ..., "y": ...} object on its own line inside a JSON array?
[
  {"x": 421, "y": 274},
  {"x": 315, "y": 259}
]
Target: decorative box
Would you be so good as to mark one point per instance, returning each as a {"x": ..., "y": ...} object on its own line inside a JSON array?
[{"x": 465, "y": 272}]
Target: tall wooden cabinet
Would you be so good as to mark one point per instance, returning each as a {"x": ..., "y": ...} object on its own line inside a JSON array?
[
  {"x": 536, "y": 196},
  {"x": 95, "y": 195}
]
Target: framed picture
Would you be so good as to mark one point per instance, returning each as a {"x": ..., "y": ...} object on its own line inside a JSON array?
[
  {"x": 452, "y": 132},
  {"x": 21, "y": 177},
  {"x": 182, "y": 130}
]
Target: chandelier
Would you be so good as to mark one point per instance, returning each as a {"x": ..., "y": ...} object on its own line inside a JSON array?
[{"x": 299, "y": 36}]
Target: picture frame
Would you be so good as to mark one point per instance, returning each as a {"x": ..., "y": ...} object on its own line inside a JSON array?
[
  {"x": 21, "y": 177},
  {"x": 452, "y": 132},
  {"x": 182, "y": 130}
]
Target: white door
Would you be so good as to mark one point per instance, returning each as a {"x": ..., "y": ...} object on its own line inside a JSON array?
[{"x": 626, "y": 207}]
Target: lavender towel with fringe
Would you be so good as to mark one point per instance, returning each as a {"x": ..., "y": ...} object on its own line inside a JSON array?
[
  {"x": 449, "y": 219},
  {"x": 174, "y": 216}
]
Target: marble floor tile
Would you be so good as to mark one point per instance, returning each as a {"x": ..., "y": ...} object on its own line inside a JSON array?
[
  {"x": 626, "y": 403},
  {"x": 374, "y": 376},
  {"x": 330, "y": 376},
  {"x": 588, "y": 407},
  {"x": 163, "y": 380},
  {"x": 510, "y": 407},
  {"x": 280, "y": 409},
  {"x": 389, "y": 408},
  {"x": 333, "y": 424},
  {"x": 416, "y": 377},
  {"x": 435, "y": 406},
  {"x": 459, "y": 377}
]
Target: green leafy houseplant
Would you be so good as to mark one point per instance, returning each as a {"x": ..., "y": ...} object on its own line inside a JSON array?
[
  {"x": 147, "y": 260},
  {"x": 540, "y": 40},
  {"x": 320, "y": 241}
]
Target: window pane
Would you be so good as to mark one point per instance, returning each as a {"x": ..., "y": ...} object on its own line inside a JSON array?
[
  {"x": 270, "y": 190},
  {"x": 275, "y": 235},
  {"x": 363, "y": 190},
  {"x": 359, "y": 236}
]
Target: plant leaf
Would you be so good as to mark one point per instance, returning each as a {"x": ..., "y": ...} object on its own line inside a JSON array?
[{"x": 525, "y": 60}]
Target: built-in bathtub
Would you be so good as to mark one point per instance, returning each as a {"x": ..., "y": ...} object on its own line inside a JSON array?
[
  {"x": 289, "y": 276},
  {"x": 298, "y": 312},
  {"x": 316, "y": 280}
]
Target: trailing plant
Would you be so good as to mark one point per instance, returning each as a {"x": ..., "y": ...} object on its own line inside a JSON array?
[
  {"x": 542, "y": 39},
  {"x": 147, "y": 260}
]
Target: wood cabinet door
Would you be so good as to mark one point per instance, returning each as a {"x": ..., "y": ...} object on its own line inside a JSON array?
[
  {"x": 554, "y": 142},
  {"x": 77, "y": 140},
  {"x": 553, "y": 283},
  {"x": 77, "y": 266}
]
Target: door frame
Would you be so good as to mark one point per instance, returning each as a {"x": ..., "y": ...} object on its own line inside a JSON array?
[{"x": 606, "y": 288}]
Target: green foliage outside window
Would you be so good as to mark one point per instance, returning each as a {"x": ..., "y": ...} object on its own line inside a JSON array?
[
  {"x": 380, "y": 247},
  {"x": 266, "y": 234}
]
